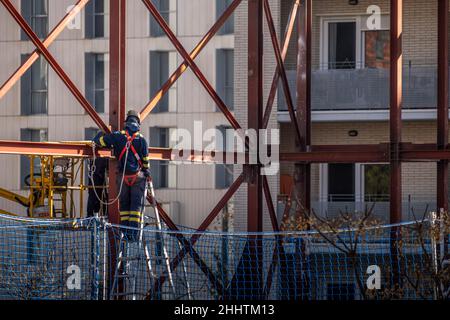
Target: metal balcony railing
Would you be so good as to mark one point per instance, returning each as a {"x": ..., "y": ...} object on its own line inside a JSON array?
[
  {"x": 331, "y": 206},
  {"x": 366, "y": 88}
]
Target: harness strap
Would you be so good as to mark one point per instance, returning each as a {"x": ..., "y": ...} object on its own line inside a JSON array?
[
  {"x": 135, "y": 153},
  {"x": 130, "y": 179}
]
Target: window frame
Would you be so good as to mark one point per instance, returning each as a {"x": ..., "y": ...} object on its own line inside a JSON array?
[
  {"x": 95, "y": 90},
  {"x": 33, "y": 17},
  {"x": 28, "y": 76},
  {"x": 93, "y": 14},
  {"x": 155, "y": 31},
  {"x": 222, "y": 86},
  {"x": 228, "y": 27},
  {"x": 227, "y": 168},
  {"x": 324, "y": 39}
]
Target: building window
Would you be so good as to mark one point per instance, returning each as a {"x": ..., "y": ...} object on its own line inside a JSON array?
[
  {"x": 95, "y": 19},
  {"x": 35, "y": 135},
  {"x": 341, "y": 182},
  {"x": 221, "y": 6},
  {"x": 35, "y": 13},
  {"x": 163, "y": 173},
  {"x": 159, "y": 73},
  {"x": 95, "y": 80},
  {"x": 163, "y": 7},
  {"x": 225, "y": 76},
  {"x": 224, "y": 172},
  {"x": 34, "y": 88},
  {"x": 341, "y": 45},
  {"x": 376, "y": 182}
]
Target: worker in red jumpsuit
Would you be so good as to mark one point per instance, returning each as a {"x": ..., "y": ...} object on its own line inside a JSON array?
[{"x": 131, "y": 150}]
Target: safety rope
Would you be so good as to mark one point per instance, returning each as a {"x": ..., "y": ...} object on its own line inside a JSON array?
[{"x": 92, "y": 170}]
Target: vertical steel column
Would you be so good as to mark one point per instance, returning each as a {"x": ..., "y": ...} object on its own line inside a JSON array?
[
  {"x": 253, "y": 171},
  {"x": 116, "y": 89},
  {"x": 302, "y": 173},
  {"x": 255, "y": 109},
  {"x": 442, "y": 107},
  {"x": 396, "y": 110},
  {"x": 395, "y": 135}
]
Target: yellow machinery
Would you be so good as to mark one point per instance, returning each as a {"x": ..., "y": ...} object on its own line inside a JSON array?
[{"x": 52, "y": 183}]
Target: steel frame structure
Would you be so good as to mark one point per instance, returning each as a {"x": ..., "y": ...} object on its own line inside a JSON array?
[{"x": 395, "y": 152}]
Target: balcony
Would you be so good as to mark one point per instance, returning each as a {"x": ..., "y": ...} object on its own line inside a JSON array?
[
  {"x": 413, "y": 207},
  {"x": 366, "y": 88}
]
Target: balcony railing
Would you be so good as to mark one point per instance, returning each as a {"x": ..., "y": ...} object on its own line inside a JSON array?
[
  {"x": 413, "y": 207},
  {"x": 366, "y": 88}
]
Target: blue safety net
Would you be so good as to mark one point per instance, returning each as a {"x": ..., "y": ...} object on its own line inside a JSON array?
[{"x": 93, "y": 259}]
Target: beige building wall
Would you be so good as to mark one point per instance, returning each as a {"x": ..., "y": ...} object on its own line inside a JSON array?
[{"x": 195, "y": 184}]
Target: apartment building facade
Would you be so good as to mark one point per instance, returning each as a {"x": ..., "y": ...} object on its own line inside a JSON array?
[
  {"x": 40, "y": 108},
  {"x": 350, "y": 101}
]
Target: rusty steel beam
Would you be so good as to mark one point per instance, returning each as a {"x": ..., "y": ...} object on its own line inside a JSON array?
[
  {"x": 49, "y": 149},
  {"x": 47, "y": 42},
  {"x": 210, "y": 218},
  {"x": 185, "y": 55},
  {"x": 276, "y": 76},
  {"x": 194, "y": 53},
  {"x": 280, "y": 68},
  {"x": 395, "y": 124},
  {"x": 253, "y": 171},
  {"x": 117, "y": 92},
  {"x": 255, "y": 101},
  {"x": 396, "y": 110},
  {"x": 442, "y": 107},
  {"x": 117, "y": 96},
  {"x": 320, "y": 153},
  {"x": 302, "y": 172},
  {"x": 56, "y": 67}
]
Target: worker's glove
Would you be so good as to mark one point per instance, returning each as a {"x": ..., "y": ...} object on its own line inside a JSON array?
[{"x": 147, "y": 174}]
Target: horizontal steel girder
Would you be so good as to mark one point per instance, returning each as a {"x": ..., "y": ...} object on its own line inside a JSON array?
[{"x": 319, "y": 154}]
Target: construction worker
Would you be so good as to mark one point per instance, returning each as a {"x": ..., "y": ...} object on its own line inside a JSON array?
[{"x": 131, "y": 151}]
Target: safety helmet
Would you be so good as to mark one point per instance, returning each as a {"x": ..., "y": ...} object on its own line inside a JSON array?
[{"x": 133, "y": 114}]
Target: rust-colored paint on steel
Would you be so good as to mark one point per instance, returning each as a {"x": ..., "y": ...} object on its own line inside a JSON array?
[
  {"x": 302, "y": 172},
  {"x": 396, "y": 18},
  {"x": 255, "y": 102},
  {"x": 253, "y": 171},
  {"x": 442, "y": 107},
  {"x": 47, "y": 42},
  {"x": 320, "y": 154},
  {"x": 56, "y": 67},
  {"x": 276, "y": 76},
  {"x": 117, "y": 46},
  {"x": 49, "y": 148},
  {"x": 185, "y": 55},
  {"x": 280, "y": 67},
  {"x": 194, "y": 53},
  {"x": 395, "y": 121}
]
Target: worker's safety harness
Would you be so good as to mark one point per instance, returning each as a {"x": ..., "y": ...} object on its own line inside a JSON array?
[{"x": 130, "y": 179}]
